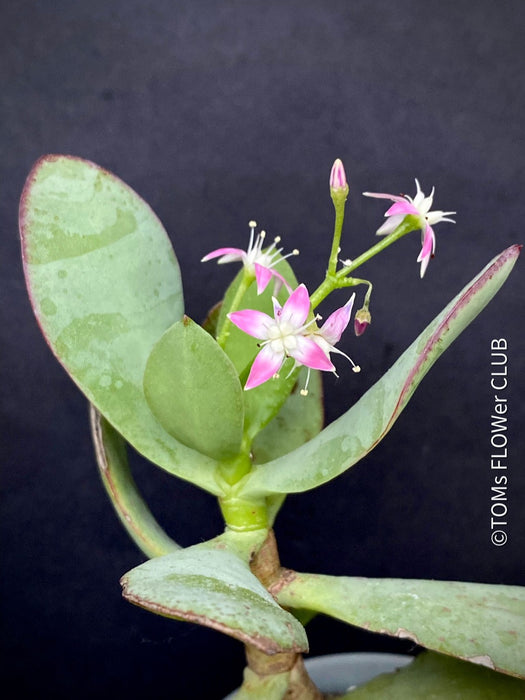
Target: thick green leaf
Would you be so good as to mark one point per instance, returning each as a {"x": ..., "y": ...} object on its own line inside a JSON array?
[
  {"x": 105, "y": 285},
  {"x": 193, "y": 390},
  {"x": 481, "y": 623},
  {"x": 134, "y": 514},
  {"x": 210, "y": 322},
  {"x": 436, "y": 677},
  {"x": 211, "y": 585},
  {"x": 299, "y": 420},
  {"x": 348, "y": 439}
]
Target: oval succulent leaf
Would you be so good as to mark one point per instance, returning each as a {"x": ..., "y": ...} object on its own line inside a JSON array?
[
  {"x": 104, "y": 284},
  {"x": 215, "y": 588},
  {"x": 134, "y": 514},
  {"x": 193, "y": 389},
  {"x": 348, "y": 439},
  {"x": 476, "y": 622}
]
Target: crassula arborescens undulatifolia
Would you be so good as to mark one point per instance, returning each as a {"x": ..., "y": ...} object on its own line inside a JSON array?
[{"x": 234, "y": 406}]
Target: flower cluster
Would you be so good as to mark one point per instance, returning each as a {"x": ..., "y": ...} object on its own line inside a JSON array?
[{"x": 293, "y": 330}]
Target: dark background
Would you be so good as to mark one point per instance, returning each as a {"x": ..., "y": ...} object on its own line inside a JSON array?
[{"x": 216, "y": 113}]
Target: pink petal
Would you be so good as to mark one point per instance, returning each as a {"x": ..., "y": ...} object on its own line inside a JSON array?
[
  {"x": 231, "y": 254},
  {"x": 429, "y": 242},
  {"x": 402, "y": 207},
  {"x": 265, "y": 365},
  {"x": 381, "y": 195},
  {"x": 334, "y": 326},
  {"x": 297, "y": 307},
  {"x": 255, "y": 323},
  {"x": 308, "y": 353},
  {"x": 262, "y": 276},
  {"x": 429, "y": 246},
  {"x": 279, "y": 281}
]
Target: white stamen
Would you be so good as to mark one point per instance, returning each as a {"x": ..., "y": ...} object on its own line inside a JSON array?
[
  {"x": 356, "y": 368},
  {"x": 252, "y": 224},
  {"x": 304, "y": 390}
]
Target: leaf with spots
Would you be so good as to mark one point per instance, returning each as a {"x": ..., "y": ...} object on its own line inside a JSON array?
[
  {"x": 212, "y": 585},
  {"x": 105, "y": 284},
  {"x": 476, "y": 622}
]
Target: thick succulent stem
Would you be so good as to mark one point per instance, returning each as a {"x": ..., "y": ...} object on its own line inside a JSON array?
[{"x": 266, "y": 566}]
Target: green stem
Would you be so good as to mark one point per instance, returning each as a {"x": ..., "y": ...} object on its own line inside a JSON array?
[
  {"x": 246, "y": 280},
  {"x": 244, "y": 516},
  {"x": 337, "y": 280},
  {"x": 406, "y": 226},
  {"x": 339, "y": 204}
]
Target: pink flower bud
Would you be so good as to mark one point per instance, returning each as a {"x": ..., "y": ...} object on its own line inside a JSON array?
[
  {"x": 362, "y": 320},
  {"x": 338, "y": 176}
]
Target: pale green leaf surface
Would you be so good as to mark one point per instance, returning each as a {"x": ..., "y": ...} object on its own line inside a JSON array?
[
  {"x": 477, "y": 622},
  {"x": 299, "y": 420},
  {"x": 134, "y": 514},
  {"x": 436, "y": 677},
  {"x": 105, "y": 285},
  {"x": 348, "y": 439},
  {"x": 193, "y": 390},
  {"x": 213, "y": 586}
]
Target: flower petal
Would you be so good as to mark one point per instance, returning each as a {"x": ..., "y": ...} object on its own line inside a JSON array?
[
  {"x": 231, "y": 254},
  {"x": 253, "y": 322},
  {"x": 334, "y": 326},
  {"x": 435, "y": 217},
  {"x": 427, "y": 250},
  {"x": 310, "y": 354},
  {"x": 382, "y": 195},
  {"x": 402, "y": 207},
  {"x": 266, "y": 364},
  {"x": 390, "y": 225},
  {"x": 297, "y": 307},
  {"x": 262, "y": 276}
]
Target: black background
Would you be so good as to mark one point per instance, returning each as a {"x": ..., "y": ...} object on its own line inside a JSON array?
[{"x": 216, "y": 113}]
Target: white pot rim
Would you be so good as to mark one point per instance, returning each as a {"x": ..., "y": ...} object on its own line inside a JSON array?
[{"x": 338, "y": 673}]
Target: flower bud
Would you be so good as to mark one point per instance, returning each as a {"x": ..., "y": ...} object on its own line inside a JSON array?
[
  {"x": 338, "y": 177},
  {"x": 362, "y": 320}
]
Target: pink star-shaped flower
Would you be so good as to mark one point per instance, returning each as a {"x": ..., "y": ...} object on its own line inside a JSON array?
[
  {"x": 419, "y": 206},
  {"x": 256, "y": 260},
  {"x": 285, "y": 335}
]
